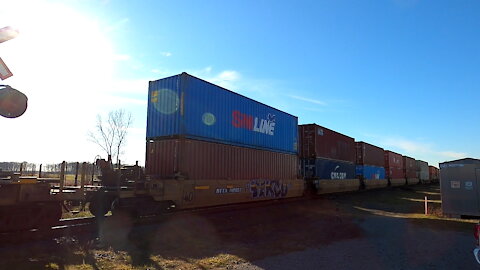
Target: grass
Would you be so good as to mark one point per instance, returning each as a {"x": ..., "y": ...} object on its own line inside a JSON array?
[
  {"x": 69, "y": 178},
  {"x": 77, "y": 212},
  {"x": 115, "y": 259},
  {"x": 220, "y": 261}
]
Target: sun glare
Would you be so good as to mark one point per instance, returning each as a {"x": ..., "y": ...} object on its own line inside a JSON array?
[
  {"x": 63, "y": 61},
  {"x": 58, "y": 44}
]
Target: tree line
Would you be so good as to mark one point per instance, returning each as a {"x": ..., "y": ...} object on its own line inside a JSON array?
[{"x": 27, "y": 167}]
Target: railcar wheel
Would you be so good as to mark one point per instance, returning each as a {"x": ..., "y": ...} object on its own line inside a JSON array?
[{"x": 99, "y": 206}]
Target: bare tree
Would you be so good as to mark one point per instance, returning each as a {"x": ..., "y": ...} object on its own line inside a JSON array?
[{"x": 111, "y": 135}]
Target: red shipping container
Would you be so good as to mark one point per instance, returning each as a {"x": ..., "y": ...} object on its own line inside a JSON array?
[
  {"x": 368, "y": 154},
  {"x": 193, "y": 159},
  {"x": 434, "y": 173},
  {"x": 319, "y": 142},
  {"x": 409, "y": 167},
  {"x": 393, "y": 165}
]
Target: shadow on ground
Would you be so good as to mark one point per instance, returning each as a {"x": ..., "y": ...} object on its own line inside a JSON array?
[
  {"x": 192, "y": 241},
  {"x": 407, "y": 199},
  {"x": 404, "y": 203}
]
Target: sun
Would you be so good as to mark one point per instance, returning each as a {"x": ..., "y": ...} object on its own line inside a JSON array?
[{"x": 64, "y": 61}]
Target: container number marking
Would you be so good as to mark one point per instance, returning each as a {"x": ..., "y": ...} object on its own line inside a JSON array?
[
  {"x": 455, "y": 184},
  {"x": 228, "y": 190},
  {"x": 469, "y": 185}
]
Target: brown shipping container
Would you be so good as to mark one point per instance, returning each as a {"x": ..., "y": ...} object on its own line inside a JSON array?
[
  {"x": 409, "y": 167},
  {"x": 320, "y": 142},
  {"x": 393, "y": 165},
  {"x": 193, "y": 159},
  {"x": 433, "y": 173},
  {"x": 368, "y": 154}
]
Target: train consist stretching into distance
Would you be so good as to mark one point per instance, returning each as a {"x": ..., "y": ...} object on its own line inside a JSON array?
[{"x": 208, "y": 146}]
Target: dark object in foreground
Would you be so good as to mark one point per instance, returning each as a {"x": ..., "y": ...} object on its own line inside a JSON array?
[
  {"x": 13, "y": 103},
  {"x": 459, "y": 187}
]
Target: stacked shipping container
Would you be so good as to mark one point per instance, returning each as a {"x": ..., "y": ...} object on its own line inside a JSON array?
[
  {"x": 433, "y": 173},
  {"x": 422, "y": 171},
  {"x": 329, "y": 158},
  {"x": 194, "y": 159},
  {"x": 197, "y": 130},
  {"x": 393, "y": 165},
  {"x": 370, "y": 161},
  {"x": 321, "y": 168},
  {"x": 189, "y": 107},
  {"x": 394, "y": 168},
  {"x": 410, "y": 170},
  {"x": 409, "y": 167},
  {"x": 326, "y": 154}
]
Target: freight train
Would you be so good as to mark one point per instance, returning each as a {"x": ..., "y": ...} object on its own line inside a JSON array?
[{"x": 208, "y": 146}]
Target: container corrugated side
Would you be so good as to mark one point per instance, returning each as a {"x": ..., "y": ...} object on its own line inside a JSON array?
[
  {"x": 320, "y": 168},
  {"x": 422, "y": 170},
  {"x": 393, "y": 165},
  {"x": 368, "y": 154},
  {"x": 459, "y": 187},
  {"x": 202, "y": 160},
  {"x": 321, "y": 142},
  {"x": 370, "y": 172},
  {"x": 186, "y": 106},
  {"x": 433, "y": 173},
  {"x": 409, "y": 167}
]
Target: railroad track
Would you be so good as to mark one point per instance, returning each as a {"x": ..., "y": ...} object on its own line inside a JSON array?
[
  {"x": 72, "y": 227},
  {"x": 75, "y": 221},
  {"x": 65, "y": 227}
]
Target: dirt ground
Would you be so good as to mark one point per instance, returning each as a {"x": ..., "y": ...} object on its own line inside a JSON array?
[
  {"x": 395, "y": 235},
  {"x": 379, "y": 229}
]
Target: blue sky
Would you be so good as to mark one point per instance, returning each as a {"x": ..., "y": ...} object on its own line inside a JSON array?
[{"x": 401, "y": 74}]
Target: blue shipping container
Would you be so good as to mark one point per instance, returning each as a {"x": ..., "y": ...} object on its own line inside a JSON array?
[
  {"x": 370, "y": 172},
  {"x": 321, "y": 168},
  {"x": 183, "y": 105}
]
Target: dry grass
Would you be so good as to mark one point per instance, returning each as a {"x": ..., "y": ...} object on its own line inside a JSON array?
[
  {"x": 432, "y": 216},
  {"x": 69, "y": 178},
  {"x": 77, "y": 212}
]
